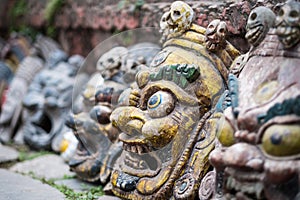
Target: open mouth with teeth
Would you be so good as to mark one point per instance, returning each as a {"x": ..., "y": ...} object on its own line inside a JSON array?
[
  {"x": 39, "y": 131},
  {"x": 244, "y": 184},
  {"x": 43, "y": 125},
  {"x": 288, "y": 35},
  {"x": 139, "y": 160},
  {"x": 171, "y": 24},
  {"x": 137, "y": 148},
  {"x": 255, "y": 34},
  {"x": 211, "y": 45}
]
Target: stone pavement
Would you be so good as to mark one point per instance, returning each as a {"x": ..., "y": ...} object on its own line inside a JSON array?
[
  {"x": 7, "y": 154},
  {"x": 29, "y": 180},
  {"x": 47, "y": 166},
  {"x": 14, "y": 186}
]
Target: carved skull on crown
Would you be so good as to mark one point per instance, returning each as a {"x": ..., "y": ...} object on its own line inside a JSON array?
[
  {"x": 260, "y": 153},
  {"x": 215, "y": 35},
  {"x": 288, "y": 24},
  {"x": 178, "y": 19},
  {"x": 110, "y": 62},
  {"x": 260, "y": 20}
]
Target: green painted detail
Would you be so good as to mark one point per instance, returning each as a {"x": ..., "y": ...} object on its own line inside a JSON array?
[
  {"x": 157, "y": 76},
  {"x": 181, "y": 74},
  {"x": 190, "y": 72},
  {"x": 287, "y": 107}
]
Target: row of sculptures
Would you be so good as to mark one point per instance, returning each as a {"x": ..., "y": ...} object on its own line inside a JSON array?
[{"x": 193, "y": 119}]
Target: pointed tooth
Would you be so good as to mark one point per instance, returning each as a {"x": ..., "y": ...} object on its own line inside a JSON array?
[
  {"x": 139, "y": 149},
  {"x": 128, "y": 148},
  {"x": 133, "y": 149}
]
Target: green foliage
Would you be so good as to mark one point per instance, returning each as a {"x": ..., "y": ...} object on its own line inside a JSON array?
[
  {"x": 51, "y": 8},
  {"x": 69, "y": 176},
  {"x": 133, "y": 5},
  {"x": 51, "y": 32},
  {"x": 19, "y": 9},
  {"x": 31, "y": 155},
  {"x": 93, "y": 194},
  {"x": 25, "y": 30}
]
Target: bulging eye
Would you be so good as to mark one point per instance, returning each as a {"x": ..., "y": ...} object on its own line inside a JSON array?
[
  {"x": 154, "y": 101},
  {"x": 294, "y": 14},
  {"x": 253, "y": 16},
  {"x": 282, "y": 140},
  {"x": 280, "y": 13},
  {"x": 160, "y": 104}
]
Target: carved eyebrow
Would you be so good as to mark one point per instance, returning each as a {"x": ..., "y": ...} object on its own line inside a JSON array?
[{"x": 180, "y": 74}]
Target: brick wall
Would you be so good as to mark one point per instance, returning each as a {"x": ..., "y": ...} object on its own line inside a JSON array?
[{"x": 82, "y": 24}]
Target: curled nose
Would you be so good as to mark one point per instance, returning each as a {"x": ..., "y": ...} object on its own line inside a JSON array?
[
  {"x": 216, "y": 158},
  {"x": 240, "y": 155},
  {"x": 126, "y": 117}
]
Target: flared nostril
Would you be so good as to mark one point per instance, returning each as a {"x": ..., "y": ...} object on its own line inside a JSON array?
[
  {"x": 128, "y": 119},
  {"x": 215, "y": 158},
  {"x": 243, "y": 155}
]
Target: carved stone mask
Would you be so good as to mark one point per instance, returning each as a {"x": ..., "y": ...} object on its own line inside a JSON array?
[
  {"x": 260, "y": 20},
  {"x": 288, "y": 24},
  {"x": 215, "y": 35},
  {"x": 47, "y": 101},
  {"x": 161, "y": 111}
]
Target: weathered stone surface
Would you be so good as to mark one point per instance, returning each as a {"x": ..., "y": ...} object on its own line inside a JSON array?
[
  {"x": 8, "y": 154},
  {"x": 48, "y": 166},
  {"x": 104, "y": 18},
  {"x": 106, "y": 197},
  {"x": 76, "y": 184},
  {"x": 18, "y": 187}
]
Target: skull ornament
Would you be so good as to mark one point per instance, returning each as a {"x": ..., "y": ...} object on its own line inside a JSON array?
[
  {"x": 259, "y": 156},
  {"x": 163, "y": 24},
  {"x": 110, "y": 62},
  {"x": 164, "y": 27},
  {"x": 288, "y": 24},
  {"x": 260, "y": 20},
  {"x": 168, "y": 108},
  {"x": 178, "y": 19},
  {"x": 215, "y": 35}
]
